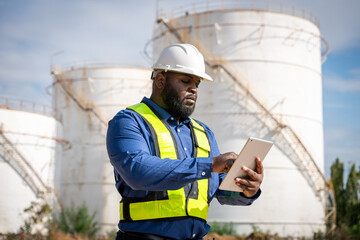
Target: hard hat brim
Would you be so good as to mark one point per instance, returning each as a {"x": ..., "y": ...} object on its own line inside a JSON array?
[{"x": 202, "y": 76}]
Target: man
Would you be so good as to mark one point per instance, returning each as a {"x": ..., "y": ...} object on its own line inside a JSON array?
[{"x": 168, "y": 166}]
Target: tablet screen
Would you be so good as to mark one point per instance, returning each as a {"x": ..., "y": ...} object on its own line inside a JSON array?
[{"x": 253, "y": 148}]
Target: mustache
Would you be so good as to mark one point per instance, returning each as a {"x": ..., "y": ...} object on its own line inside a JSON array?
[{"x": 191, "y": 96}]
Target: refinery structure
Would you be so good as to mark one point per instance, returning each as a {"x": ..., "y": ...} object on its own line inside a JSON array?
[
  {"x": 85, "y": 99},
  {"x": 29, "y": 139},
  {"x": 265, "y": 59}
]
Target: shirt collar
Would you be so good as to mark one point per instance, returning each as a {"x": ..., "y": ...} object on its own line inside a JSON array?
[{"x": 167, "y": 116}]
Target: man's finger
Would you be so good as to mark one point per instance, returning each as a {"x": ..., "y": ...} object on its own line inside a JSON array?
[
  {"x": 259, "y": 166},
  {"x": 245, "y": 182},
  {"x": 246, "y": 188},
  {"x": 253, "y": 175}
]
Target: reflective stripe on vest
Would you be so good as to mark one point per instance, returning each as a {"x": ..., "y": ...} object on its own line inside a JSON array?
[{"x": 170, "y": 204}]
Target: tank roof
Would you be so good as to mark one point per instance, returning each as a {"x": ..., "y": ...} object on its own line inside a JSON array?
[{"x": 234, "y": 5}]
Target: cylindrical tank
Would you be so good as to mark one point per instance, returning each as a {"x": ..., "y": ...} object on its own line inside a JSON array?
[
  {"x": 275, "y": 54},
  {"x": 27, "y": 153},
  {"x": 85, "y": 99}
]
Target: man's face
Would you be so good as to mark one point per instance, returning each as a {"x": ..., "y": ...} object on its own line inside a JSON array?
[{"x": 180, "y": 94}]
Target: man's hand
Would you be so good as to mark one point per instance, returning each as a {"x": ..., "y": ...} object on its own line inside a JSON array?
[
  {"x": 223, "y": 162},
  {"x": 251, "y": 185}
]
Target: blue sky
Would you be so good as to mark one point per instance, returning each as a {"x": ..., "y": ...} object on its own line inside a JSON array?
[
  {"x": 341, "y": 99},
  {"x": 34, "y": 33}
]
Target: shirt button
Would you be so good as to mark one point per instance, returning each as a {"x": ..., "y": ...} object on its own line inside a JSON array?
[
  {"x": 194, "y": 235},
  {"x": 203, "y": 174},
  {"x": 185, "y": 148},
  {"x": 178, "y": 130},
  {"x": 172, "y": 118}
]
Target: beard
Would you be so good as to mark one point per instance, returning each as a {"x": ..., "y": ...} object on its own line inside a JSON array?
[{"x": 176, "y": 106}]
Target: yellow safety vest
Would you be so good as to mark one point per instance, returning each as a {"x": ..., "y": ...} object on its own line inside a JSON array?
[{"x": 170, "y": 204}]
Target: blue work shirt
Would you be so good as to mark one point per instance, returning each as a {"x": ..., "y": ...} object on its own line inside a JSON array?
[{"x": 138, "y": 171}]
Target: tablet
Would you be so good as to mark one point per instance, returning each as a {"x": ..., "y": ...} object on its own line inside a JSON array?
[{"x": 253, "y": 148}]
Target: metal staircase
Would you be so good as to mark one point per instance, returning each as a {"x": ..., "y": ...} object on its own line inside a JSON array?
[
  {"x": 10, "y": 154},
  {"x": 283, "y": 135},
  {"x": 87, "y": 107}
]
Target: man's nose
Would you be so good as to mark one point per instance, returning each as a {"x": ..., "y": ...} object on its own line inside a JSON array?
[{"x": 193, "y": 89}]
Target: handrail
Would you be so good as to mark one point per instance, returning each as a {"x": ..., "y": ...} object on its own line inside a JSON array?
[
  {"x": 330, "y": 209},
  {"x": 225, "y": 5},
  {"x": 92, "y": 64},
  {"x": 22, "y": 166},
  {"x": 33, "y": 107},
  {"x": 60, "y": 79},
  {"x": 29, "y": 106},
  {"x": 244, "y": 5},
  {"x": 65, "y": 144}
]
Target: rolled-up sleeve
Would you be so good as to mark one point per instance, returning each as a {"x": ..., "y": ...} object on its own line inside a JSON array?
[
  {"x": 234, "y": 198},
  {"x": 131, "y": 151}
]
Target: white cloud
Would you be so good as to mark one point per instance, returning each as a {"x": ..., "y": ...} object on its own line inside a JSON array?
[
  {"x": 333, "y": 134},
  {"x": 27, "y": 92},
  {"x": 118, "y": 30},
  {"x": 87, "y": 28},
  {"x": 335, "y": 105},
  {"x": 114, "y": 31},
  {"x": 341, "y": 84},
  {"x": 343, "y": 143},
  {"x": 17, "y": 67},
  {"x": 355, "y": 72}
]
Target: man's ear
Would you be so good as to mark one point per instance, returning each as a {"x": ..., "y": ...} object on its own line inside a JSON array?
[{"x": 160, "y": 81}]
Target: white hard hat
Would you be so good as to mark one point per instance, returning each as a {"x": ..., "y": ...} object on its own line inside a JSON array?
[{"x": 182, "y": 58}]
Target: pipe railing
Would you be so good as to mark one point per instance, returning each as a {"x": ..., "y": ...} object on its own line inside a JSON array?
[
  {"x": 55, "y": 68},
  {"x": 24, "y": 105},
  {"x": 225, "y": 5}
]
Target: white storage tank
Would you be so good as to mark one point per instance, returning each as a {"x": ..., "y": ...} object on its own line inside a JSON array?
[
  {"x": 265, "y": 60},
  {"x": 27, "y": 152},
  {"x": 85, "y": 99}
]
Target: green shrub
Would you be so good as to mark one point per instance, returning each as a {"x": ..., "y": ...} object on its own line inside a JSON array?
[
  {"x": 77, "y": 220},
  {"x": 223, "y": 229}
]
